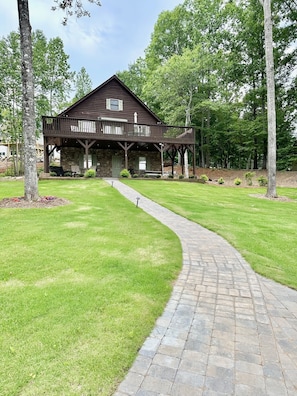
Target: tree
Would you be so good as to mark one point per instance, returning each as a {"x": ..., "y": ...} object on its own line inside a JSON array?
[
  {"x": 31, "y": 182},
  {"x": 71, "y": 7},
  {"x": 83, "y": 84},
  {"x": 271, "y": 113}
]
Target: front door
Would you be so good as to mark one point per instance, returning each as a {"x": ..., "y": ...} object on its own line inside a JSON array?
[{"x": 116, "y": 166}]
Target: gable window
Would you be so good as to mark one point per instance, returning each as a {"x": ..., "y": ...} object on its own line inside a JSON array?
[{"x": 114, "y": 104}]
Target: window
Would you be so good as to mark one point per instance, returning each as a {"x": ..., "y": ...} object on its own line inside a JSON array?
[
  {"x": 142, "y": 163},
  {"x": 114, "y": 104},
  {"x": 113, "y": 130},
  {"x": 87, "y": 161}
]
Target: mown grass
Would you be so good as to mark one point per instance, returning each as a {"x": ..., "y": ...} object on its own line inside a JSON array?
[
  {"x": 81, "y": 286},
  {"x": 264, "y": 231}
]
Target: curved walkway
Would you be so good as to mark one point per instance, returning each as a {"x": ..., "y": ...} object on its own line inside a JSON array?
[{"x": 225, "y": 330}]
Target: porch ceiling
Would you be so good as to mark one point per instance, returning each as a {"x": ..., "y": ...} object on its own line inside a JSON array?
[{"x": 108, "y": 145}]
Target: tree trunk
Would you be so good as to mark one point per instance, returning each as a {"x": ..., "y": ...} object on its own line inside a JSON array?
[
  {"x": 271, "y": 114},
  {"x": 31, "y": 182}
]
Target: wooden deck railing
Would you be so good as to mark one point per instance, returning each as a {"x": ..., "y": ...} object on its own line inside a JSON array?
[{"x": 115, "y": 130}]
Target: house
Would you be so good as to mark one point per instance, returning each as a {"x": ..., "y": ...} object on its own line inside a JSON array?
[{"x": 110, "y": 129}]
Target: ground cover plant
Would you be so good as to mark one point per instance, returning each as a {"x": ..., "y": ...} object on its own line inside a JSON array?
[
  {"x": 263, "y": 230},
  {"x": 81, "y": 286}
]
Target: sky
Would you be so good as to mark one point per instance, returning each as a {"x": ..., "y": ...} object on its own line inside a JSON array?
[{"x": 116, "y": 34}]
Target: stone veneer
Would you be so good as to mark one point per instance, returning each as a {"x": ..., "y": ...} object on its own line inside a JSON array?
[{"x": 102, "y": 159}]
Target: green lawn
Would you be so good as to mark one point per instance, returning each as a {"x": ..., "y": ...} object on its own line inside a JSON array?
[
  {"x": 81, "y": 286},
  {"x": 264, "y": 231}
]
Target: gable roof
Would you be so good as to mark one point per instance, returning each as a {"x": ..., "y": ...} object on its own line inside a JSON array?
[{"x": 113, "y": 78}]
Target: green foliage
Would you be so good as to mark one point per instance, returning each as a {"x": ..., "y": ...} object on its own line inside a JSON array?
[
  {"x": 237, "y": 181},
  {"x": 83, "y": 84},
  {"x": 125, "y": 173},
  {"x": 204, "y": 178},
  {"x": 201, "y": 80},
  {"x": 221, "y": 180},
  {"x": 249, "y": 178},
  {"x": 263, "y": 181},
  {"x": 53, "y": 174},
  {"x": 90, "y": 173},
  {"x": 181, "y": 176},
  {"x": 9, "y": 171}
]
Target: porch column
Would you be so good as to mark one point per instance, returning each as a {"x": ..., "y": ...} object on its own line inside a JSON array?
[
  {"x": 126, "y": 147},
  {"x": 160, "y": 148},
  {"x": 86, "y": 145},
  {"x": 46, "y": 155}
]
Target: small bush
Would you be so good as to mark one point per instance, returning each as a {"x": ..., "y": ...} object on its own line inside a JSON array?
[
  {"x": 135, "y": 175},
  {"x": 170, "y": 176},
  {"x": 181, "y": 176},
  {"x": 67, "y": 173},
  {"x": 204, "y": 178},
  {"x": 248, "y": 177},
  {"x": 125, "y": 173},
  {"x": 237, "y": 181},
  {"x": 90, "y": 173},
  {"x": 53, "y": 174},
  {"x": 221, "y": 180},
  {"x": 262, "y": 180},
  {"x": 9, "y": 172},
  {"x": 192, "y": 177}
]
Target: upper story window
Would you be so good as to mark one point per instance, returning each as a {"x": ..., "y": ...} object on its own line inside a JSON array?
[{"x": 114, "y": 104}]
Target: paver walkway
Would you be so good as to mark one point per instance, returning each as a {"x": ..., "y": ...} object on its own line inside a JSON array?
[{"x": 225, "y": 330}]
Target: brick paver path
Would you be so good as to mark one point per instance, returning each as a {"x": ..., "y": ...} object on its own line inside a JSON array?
[{"x": 225, "y": 330}]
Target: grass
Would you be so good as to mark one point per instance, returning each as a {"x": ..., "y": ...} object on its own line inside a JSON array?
[
  {"x": 264, "y": 231},
  {"x": 80, "y": 288}
]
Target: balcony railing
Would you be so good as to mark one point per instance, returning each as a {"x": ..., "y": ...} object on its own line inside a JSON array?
[{"x": 115, "y": 130}]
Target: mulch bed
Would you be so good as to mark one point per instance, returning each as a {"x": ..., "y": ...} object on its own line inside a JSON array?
[{"x": 42, "y": 202}]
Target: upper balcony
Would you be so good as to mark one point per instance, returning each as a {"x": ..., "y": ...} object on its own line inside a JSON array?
[{"x": 115, "y": 130}]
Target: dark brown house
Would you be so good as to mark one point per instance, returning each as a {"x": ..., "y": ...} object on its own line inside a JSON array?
[{"x": 110, "y": 129}]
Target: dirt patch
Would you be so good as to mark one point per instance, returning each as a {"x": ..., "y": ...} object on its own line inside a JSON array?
[{"x": 42, "y": 202}]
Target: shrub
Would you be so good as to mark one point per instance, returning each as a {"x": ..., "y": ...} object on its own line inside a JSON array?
[
  {"x": 221, "y": 180},
  {"x": 170, "y": 176},
  {"x": 9, "y": 172},
  {"x": 237, "y": 181},
  {"x": 125, "y": 173},
  {"x": 248, "y": 177},
  {"x": 181, "y": 176},
  {"x": 204, "y": 178},
  {"x": 67, "y": 173},
  {"x": 90, "y": 173},
  {"x": 135, "y": 175},
  {"x": 262, "y": 180},
  {"x": 53, "y": 174}
]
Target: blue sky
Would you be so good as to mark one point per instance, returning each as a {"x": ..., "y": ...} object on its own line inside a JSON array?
[{"x": 115, "y": 35}]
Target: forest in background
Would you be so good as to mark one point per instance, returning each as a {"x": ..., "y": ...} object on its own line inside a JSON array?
[{"x": 205, "y": 67}]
